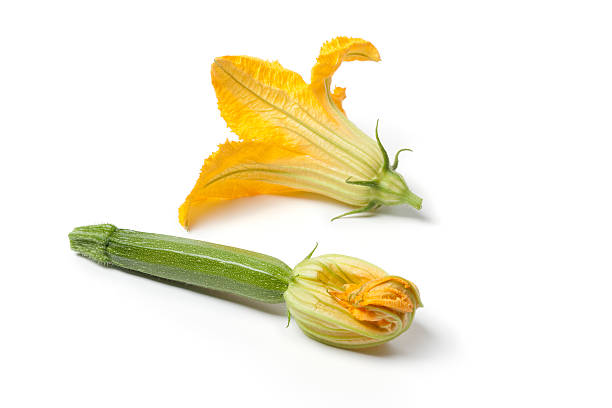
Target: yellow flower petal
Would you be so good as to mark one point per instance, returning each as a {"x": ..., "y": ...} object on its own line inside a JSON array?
[
  {"x": 249, "y": 168},
  {"x": 216, "y": 183},
  {"x": 390, "y": 292},
  {"x": 338, "y": 96},
  {"x": 339, "y": 270},
  {"x": 332, "y": 54},
  {"x": 261, "y": 100}
]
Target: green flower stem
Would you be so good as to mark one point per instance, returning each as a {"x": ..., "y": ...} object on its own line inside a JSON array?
[
  {"x": 413, "y": 200},
  {"x": 250, "y": 274}
]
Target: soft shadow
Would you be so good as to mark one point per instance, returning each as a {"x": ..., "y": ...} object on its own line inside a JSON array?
[
  {"x": 405, "y": 211},
  {"x": 278, "y": 309},
  {"x": 231, "y": 208},
  {"x": 417, "y": 342}
]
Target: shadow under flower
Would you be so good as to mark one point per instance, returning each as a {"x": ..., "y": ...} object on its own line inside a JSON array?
[
  {"x": 231, "y": 208},
  {"x": 417, "y": 342},
  {"x": 405, "y": 211}
]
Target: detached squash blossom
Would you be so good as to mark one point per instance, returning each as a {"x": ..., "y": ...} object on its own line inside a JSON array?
[
  {"x": 294, "y": 136},
  {"x": 335, "y": 299}
]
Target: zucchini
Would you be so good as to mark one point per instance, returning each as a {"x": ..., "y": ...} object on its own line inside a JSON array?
[
  {"x": 202, "y": 264},
  {"x": 335, "y": 299}
]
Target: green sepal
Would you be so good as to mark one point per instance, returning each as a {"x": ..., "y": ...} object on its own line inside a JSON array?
[
  {"x": 311, "y": 252},
  {"x": 396, "y": 161},
  {"x": 382, "y": 149},
  {"x": 388, "y": 188},
  {"x": 371, "y": 205},
  {"x": 366, "y": 183}
]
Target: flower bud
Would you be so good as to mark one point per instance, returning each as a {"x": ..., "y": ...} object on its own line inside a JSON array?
[{"x": 346, "y": 302}]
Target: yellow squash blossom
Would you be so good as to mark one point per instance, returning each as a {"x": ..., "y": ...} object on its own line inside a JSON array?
[
  {"x": 294, "y": 136},
  {"x": 346, "y": 302}
]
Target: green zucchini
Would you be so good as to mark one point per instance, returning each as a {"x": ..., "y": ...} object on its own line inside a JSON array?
[
  {"x": 203, "y": 264},
  {"x": 328, "y": 296}
]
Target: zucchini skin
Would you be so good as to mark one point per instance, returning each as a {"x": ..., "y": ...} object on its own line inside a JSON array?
[{"x": 203, "y": 264}]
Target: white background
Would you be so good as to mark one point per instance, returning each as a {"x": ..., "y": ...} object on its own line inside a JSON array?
[{"x": 107, "y": 113}]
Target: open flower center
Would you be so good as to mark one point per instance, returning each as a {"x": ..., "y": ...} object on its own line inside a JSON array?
[{"x": 362, "y": 300}]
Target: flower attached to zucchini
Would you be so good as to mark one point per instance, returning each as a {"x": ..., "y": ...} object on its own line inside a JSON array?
[
  {"x": 294, "y": 136},
  {"x": 335, "y": 299},
  {"x": 350, "y": 303}
]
